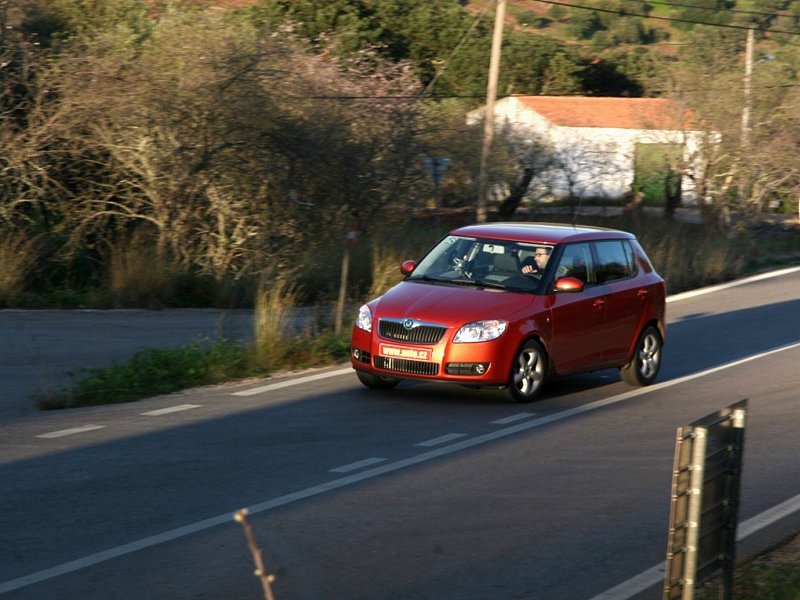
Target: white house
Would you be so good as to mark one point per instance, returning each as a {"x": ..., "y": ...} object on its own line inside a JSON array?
[{"x": 594, "y": 141}]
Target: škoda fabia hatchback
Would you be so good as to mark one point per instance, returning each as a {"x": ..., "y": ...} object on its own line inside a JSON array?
[{"x": 510, "y": 304}]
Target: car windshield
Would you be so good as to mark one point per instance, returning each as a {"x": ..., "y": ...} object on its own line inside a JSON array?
[{"x": 479, "y": 262}]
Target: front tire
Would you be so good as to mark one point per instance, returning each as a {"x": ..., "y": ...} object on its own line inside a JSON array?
[
  {"x": 376, "y": 382},
  {"x": 528, "y": 372},
  {"x": 644, "y": 367}
]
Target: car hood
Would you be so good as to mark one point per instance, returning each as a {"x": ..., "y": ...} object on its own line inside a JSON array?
[{"x": 448, "y": 304}]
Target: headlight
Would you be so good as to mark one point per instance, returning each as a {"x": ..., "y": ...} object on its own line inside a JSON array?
[
  {"x": 364, "y": 319},
  {"x": 481, "y": 331}
]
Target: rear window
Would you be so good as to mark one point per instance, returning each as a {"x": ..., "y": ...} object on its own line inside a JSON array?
[{"x": 614, "y": 261}]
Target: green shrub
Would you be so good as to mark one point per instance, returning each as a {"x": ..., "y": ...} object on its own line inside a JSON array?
[{"x": 152, "y": 372}]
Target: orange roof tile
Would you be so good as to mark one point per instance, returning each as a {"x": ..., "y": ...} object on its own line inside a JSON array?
[{"x": 621, "y": 113}]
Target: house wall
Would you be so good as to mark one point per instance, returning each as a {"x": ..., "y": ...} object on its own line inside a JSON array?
[
  {"x": 599, "y": 163},
  {"x": 591, "y": 161}
]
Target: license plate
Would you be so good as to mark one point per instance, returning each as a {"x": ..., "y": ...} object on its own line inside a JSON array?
[{"x": 423, "y": 354}]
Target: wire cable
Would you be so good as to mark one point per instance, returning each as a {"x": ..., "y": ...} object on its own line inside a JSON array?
[
  {"x": 672, "y": 19},
  {"x": 714, "y": 9},
  {"x": 458, "y": 47}
]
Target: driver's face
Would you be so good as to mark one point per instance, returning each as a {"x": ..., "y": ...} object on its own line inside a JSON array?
[{"x": 541, "y": 256}]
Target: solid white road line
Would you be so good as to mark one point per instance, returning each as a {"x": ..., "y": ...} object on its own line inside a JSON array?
[
  {"x": 513, "y": 418},
  {"x": 348, "y": 480},
  {"x": 72, "y": 431},
  {"x": 171, "y": 409},
  {"x": 441, "y": 440},
  {"x": 655, "y": 574},
  {"x": 293, "y": 382},
  {"x": 367, "y": 462},
  {"x": 731, "y": 284}
]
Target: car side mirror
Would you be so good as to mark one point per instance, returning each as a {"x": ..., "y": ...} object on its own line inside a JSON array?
[
  {"x": 569, "y": 285},
  {"x": 408, "y": 267}
]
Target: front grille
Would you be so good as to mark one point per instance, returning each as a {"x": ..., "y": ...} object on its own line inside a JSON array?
[
  {"x": 421, "y": 334},
  {"x": 402, "y": 365}
]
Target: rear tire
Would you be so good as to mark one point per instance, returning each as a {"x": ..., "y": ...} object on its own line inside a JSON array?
[
  {"x": 528, "y": 372},
  {"x": 376, "y": 382},
  {"x": 644, "y": 367}
]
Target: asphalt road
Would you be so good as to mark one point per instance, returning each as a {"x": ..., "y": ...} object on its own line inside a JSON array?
[{"x": 427, "y": 491}]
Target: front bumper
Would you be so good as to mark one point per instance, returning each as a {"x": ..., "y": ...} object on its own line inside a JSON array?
[{"x": 479, "y": 363}]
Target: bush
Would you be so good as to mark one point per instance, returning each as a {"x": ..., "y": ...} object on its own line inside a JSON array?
[{"x": 152, "y": 372}]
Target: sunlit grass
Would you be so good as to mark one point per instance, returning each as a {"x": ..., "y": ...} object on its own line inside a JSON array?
[
  {"x": 385, "y": 269},
  {"x": 274, "y": 306}
]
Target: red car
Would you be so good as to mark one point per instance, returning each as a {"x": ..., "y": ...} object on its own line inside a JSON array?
[{"x": 510, "y": 304}]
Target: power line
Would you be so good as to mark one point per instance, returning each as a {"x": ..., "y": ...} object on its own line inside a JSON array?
[
  {"x": 672, "y": 19},
  {"x": 458, "y": 47},
  {"x": 708, "y": 8},
  {"x": 482, "y": 96},
  {"x": 624, "y": 44}
]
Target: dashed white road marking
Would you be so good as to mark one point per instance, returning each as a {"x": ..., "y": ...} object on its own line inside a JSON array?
[
  {"x": 443, "y": 439},
  {"x": 68, "y": 432},
  {"x": 171, "y": 409},
  {"x": 367, "y": 462},
  {"x": 513, "y": 418}
]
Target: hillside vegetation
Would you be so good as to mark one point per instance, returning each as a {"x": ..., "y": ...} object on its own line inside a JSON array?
[{"x": 184, "y": 153}]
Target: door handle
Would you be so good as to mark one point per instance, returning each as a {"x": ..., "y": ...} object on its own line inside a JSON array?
[
  {"x": 599, "y": 302},
  {"x": 642, "y": 294}
]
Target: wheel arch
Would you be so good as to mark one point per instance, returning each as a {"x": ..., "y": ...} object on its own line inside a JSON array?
[
  {"x": 653, "y": 322},
  {"x": 537, "y": 337}
]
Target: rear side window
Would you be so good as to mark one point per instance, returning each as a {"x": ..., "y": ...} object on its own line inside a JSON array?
[{"x": 614, "y": 261}]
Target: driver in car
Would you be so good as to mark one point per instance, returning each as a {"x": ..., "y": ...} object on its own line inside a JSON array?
[{"x": 536, "y": 265}]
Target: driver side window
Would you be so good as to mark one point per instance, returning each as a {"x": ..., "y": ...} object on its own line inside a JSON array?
[{"x": 576, "y": 261}]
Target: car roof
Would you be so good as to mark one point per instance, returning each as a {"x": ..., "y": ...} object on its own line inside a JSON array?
[{"x": 542, "y": 233}]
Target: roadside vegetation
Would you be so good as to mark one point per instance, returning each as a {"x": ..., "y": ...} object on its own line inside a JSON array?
[
  {"x": 215, "y": 149},
  {"x": 774, "y": 575},
  {"x": 687, "y": 256}
]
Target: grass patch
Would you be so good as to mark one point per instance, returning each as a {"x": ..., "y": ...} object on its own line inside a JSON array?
[
  {"x": 275, "y": 302},
  {"x": 774, "y": 575},
  {"x": 152, "y": 372}
]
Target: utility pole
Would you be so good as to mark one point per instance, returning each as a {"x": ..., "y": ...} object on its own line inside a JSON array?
[
  {"x": 488, "y": 121},
  {"x": 748, "y": 89},
  {"x": 744, "y": 143}
]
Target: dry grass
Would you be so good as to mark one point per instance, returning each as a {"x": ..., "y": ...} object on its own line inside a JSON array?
[
  {"x": 275, "y": 301},
  {"x": 18, "y": 256},
  {"x": 385, "y": 270},
  {"x": 139, "y": 276},
  {"x": 687, "y": 261}
]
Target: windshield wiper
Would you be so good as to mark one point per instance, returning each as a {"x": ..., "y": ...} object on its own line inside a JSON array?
[
  {"x": 483, "y": 284},
  {"x": 429, "y": 278}
]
